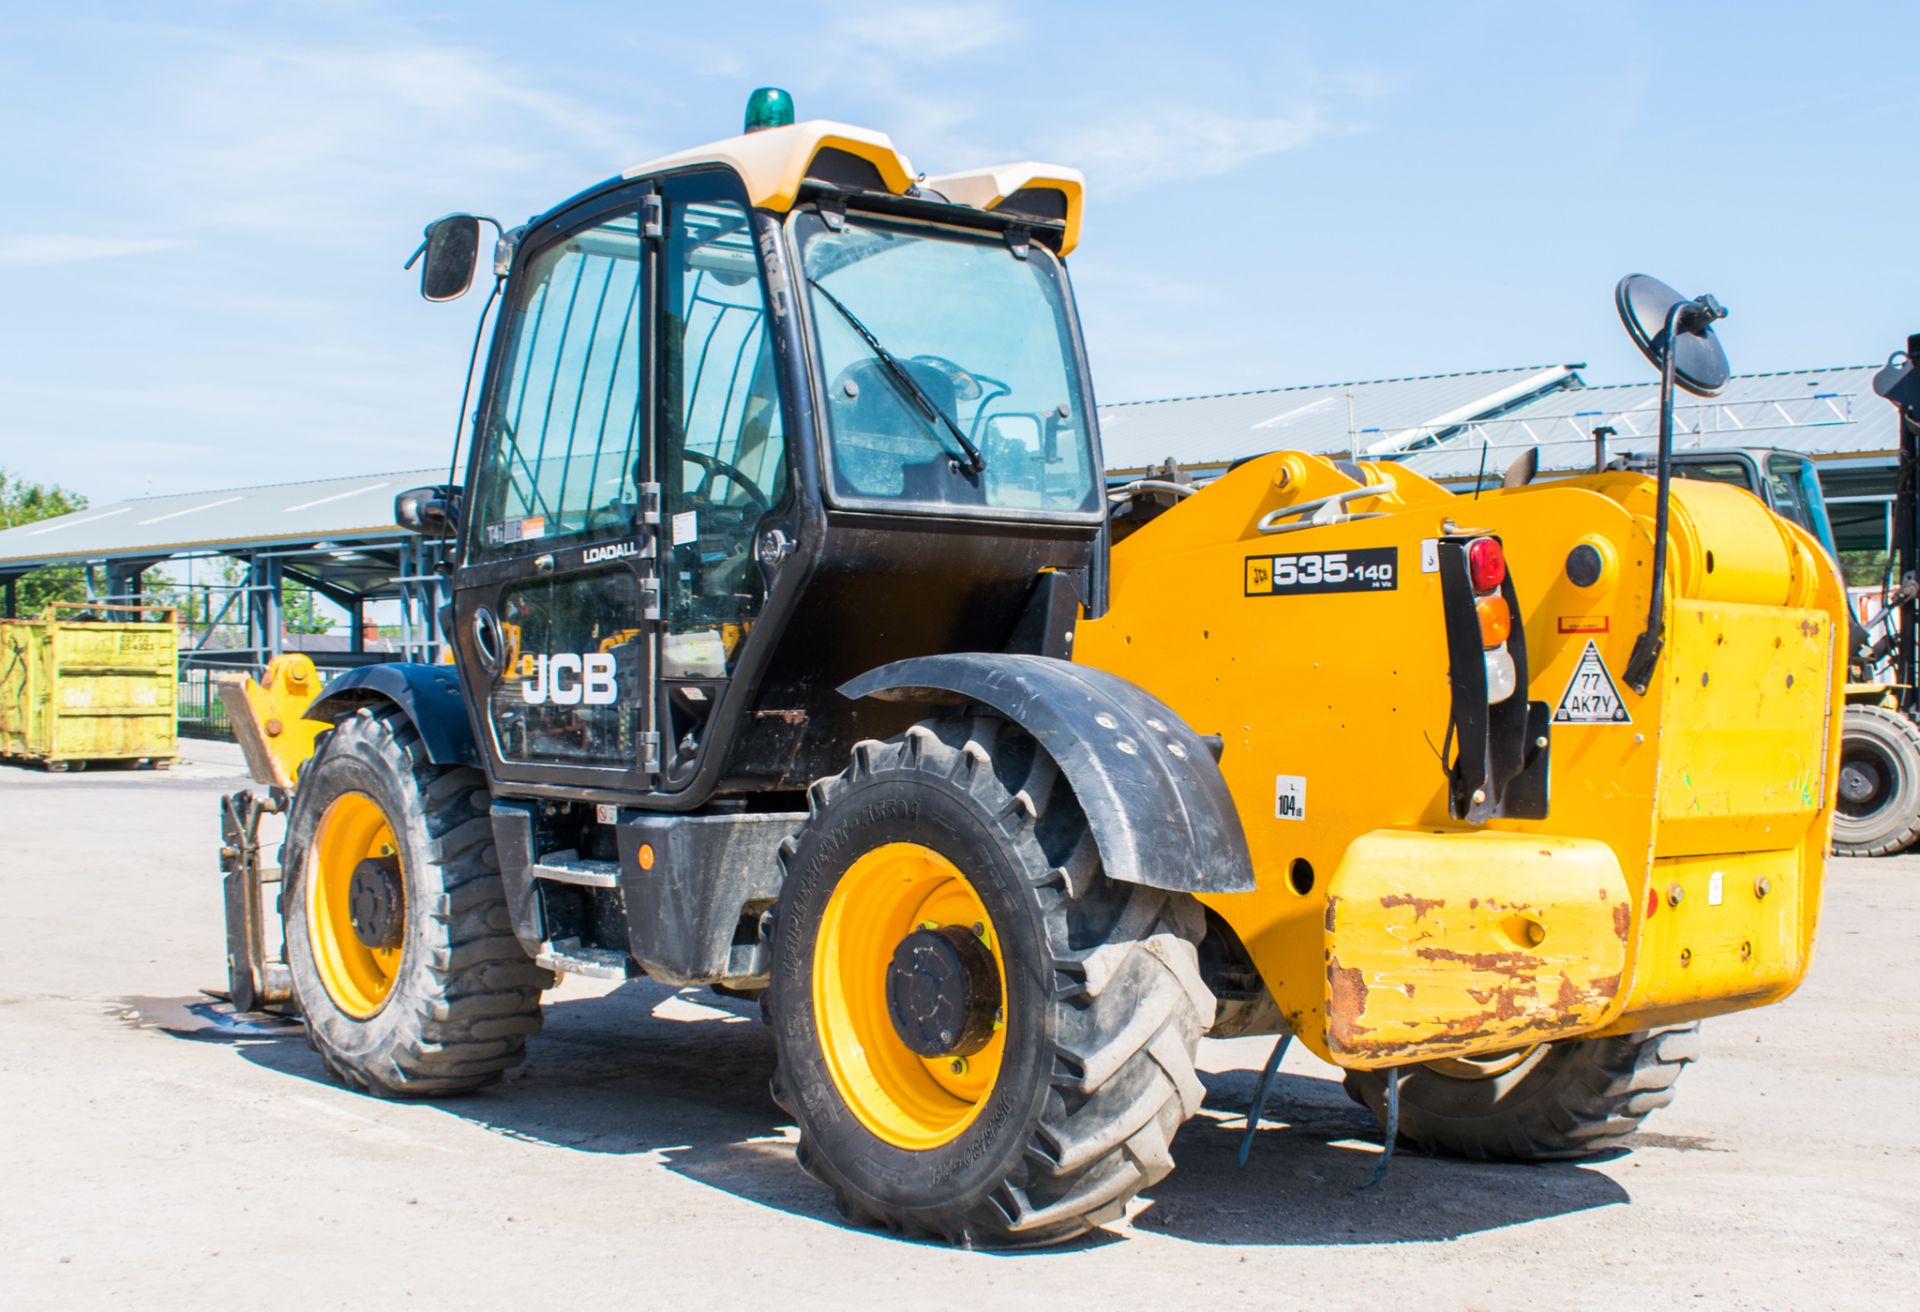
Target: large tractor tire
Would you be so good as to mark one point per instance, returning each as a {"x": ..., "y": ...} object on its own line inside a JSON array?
[
  {"x": 1545, "y": 1103},
  {"x": 404, "y": 962},
  {"x": 982, "y": 1038},
  {"x": 1878, "y": 813}
]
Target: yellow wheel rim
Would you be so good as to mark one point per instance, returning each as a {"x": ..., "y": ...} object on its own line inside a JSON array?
[
  {"x": 905, "y": 1099},
  {"x": 357, "y": 977}
]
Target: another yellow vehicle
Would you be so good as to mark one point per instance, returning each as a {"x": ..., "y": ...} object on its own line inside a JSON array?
[{"x": 795, "y": 654}]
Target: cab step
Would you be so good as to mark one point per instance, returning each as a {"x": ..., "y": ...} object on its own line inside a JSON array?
[
  {"x": 568, "y": 867},
  {"x": 572, "y": 957}
]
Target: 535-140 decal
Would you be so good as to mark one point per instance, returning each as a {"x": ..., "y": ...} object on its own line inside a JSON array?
[{"x": 1368, "y": 569}]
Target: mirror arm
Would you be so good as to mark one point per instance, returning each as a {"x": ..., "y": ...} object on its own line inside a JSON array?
[
  {"x": 466, "y": 392},
  {"x": 1647, "y": 647}
]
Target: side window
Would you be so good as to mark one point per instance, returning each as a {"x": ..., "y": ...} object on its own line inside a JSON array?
[
  {"x": 1718, "y": 471},
  {"x": 723, "y": 462},
  {"x": 1789, "y": 496},
  {"x": 564, "y": 427}
]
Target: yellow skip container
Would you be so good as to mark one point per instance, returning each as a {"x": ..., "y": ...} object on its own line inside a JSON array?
[{"x": 93, "y": 686}]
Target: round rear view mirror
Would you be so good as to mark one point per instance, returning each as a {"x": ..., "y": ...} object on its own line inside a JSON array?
[{"x": 1699, "y": 363}]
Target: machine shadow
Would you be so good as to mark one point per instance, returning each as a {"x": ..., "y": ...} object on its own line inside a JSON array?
[
  {"x": 1304, "y": 1180},
  {"x": 682, "y": 1075}
]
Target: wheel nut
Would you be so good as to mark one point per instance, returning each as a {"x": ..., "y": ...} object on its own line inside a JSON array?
[
  {"x": 979, "y": 929},
  {"x": 958, "y": 1066}
]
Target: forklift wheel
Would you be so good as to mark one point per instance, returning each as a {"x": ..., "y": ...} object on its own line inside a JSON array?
[
  {"x": 1544, "y": 1103},
  {"x": 1878, "y": 812},
  {"x": 403, "y": 963},
  {"x": 982, "y": 1038}
]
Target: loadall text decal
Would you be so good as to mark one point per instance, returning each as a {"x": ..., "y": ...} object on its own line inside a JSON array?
[
  {"x": 1369, "y": 569},
  {"x": 1592, "y": 697}
]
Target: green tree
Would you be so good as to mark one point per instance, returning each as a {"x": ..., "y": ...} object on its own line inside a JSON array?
[
  {"x": 299, "y": 610},
  {"x": 24, "y": 502}
]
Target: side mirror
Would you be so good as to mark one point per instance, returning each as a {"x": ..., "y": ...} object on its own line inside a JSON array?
[
  {"x": 1647, "y": 307},
  {"x": 432, "y": 512},
  {"x": 1899, "y": 381},
  {"x": 1675, "y": 333},
  {"x": 1522, "y": 471},
  {"x": 451, "y": 248}
]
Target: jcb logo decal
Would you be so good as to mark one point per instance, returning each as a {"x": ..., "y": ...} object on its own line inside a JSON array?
[{"x": 568, "y": 679}]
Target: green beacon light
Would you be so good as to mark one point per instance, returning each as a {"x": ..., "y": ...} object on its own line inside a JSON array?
[{"x": 769, "y": 107}]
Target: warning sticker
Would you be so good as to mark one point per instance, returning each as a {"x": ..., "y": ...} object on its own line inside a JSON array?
[
  {"x": 504, "y": 531},
  {"x": 1592, "y": 697},
  {"x": 1583, "y": 623}
]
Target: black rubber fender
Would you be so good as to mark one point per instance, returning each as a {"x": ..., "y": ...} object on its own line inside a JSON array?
[
  {"x": 1150, "y": 786},
  {"x": 428, "y": 695}
]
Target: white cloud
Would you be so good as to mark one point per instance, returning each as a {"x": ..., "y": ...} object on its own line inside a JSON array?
[
  {"x": 267, "y": 137},
  {"x": 927, "y": 33},
  {"x": 1145, "y": 147},
  {"x": 66, "y": 248}
]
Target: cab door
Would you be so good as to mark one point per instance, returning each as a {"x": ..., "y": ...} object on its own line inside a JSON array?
[
  {"x": 723, "y": 459},
  {"x": 556, "y": 599}
]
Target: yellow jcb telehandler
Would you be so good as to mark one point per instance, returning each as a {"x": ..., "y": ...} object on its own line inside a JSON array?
[{"x": 794, "y": 654}]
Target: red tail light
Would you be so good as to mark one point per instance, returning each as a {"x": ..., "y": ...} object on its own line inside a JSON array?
[{"x": 1486, "y": 564}]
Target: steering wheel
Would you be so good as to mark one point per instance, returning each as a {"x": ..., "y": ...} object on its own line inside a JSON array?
[
  {"x": 712, "y": 466},
  {"x": 966, "y": 383}
]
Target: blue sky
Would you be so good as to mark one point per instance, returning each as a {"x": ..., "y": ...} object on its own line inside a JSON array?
[{"x": 208, "y": 203}]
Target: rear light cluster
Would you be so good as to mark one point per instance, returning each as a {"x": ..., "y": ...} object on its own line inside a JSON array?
[{"x": 1487, "y": 570}]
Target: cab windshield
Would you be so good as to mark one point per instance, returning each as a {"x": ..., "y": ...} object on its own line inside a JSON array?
[{"x": 985, "y": 344}]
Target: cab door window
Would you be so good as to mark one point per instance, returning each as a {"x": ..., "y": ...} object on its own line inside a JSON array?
[
  {"x": 724, "y": 457},
  {"x": 564, "y": 429}
]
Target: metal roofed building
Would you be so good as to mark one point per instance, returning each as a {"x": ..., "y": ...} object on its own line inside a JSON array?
[
  {"x": 1832, "y": 415},
  {"x": 1205, "y": 434},
  {"x": 336, "y": 536}
]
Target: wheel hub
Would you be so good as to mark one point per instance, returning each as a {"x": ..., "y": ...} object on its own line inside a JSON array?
[
  {"x": 1860, "y": 782},
  {"x": 942, "y": 991},
  {"x": 374, "y": 902}
]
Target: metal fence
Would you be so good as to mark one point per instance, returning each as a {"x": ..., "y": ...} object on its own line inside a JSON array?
[{"x": 197, "y": 703}]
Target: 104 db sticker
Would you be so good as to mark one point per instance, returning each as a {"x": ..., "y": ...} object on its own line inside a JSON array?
[{"x": 1368, "y": 569}]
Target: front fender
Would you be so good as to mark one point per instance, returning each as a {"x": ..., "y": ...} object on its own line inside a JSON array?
[
  {"x": 428, "y": 695},
  {"x": 1149, "y": 785}
]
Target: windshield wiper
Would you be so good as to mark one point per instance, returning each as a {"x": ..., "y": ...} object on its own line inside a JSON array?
[{"x": 908, "y": 384}]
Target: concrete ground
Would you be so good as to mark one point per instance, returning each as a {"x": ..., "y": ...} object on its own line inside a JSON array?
[{"x": 154, "y": 1151}]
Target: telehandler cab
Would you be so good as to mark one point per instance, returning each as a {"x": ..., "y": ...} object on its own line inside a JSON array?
[{"x": 792, "y": 656}]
